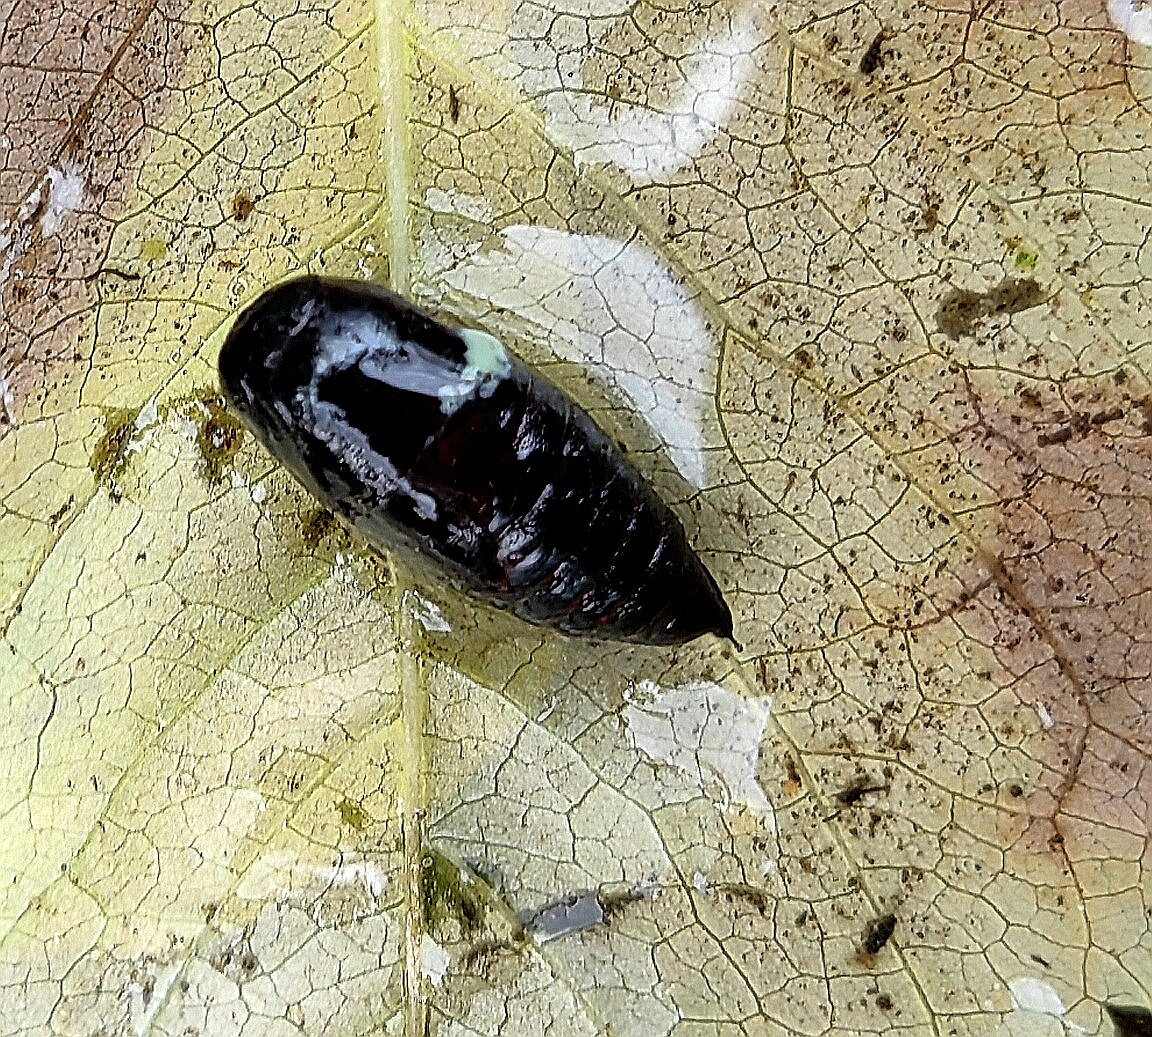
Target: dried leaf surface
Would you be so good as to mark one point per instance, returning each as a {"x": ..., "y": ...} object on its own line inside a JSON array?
[{"x": 864, "y": 288}]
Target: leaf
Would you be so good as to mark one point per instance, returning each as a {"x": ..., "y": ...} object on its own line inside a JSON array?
[{"x": 864, "y": 291}]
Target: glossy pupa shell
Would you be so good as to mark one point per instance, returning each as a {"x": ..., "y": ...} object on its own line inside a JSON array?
[{"x": 434, "y": 439}]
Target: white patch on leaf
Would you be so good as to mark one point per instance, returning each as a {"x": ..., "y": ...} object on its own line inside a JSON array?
[
  {"x": 356, "y": 873},
  {"x": 459, "y": 204},
  {"x": 7, "y": 402},
  {"x": 427, "y": 613},
  {"x": 706, "y": 732},
  {"x": 434, "y": 960},
  {"x": 1133, "y": 18},
  {"x": 65, "y": 195},
  {"x": 616, "y": 308},
  {"x": 649, "y": 144},
  {"x": 1040, "y": 998},
  {"x": 285, "y": 876}
]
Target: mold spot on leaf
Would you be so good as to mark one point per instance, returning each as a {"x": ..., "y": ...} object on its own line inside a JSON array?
[
  {"x": 110, "y": 457},
  {"x": 316, "y": 525},
  {"x": 615, "y": 901},
  {"x": 153, "y": 249},
  {"x": 449, "y": 894},
  {"x": 1027, "y": 260},
  {"x": 218, "y": 438},
  {"x": 494, "y": 958},
  {"x": 351, "y": 814}
]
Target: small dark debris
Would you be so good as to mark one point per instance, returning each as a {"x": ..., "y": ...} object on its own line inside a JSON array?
[
  {"x": 112, "y": 271},
  {"x": 962, "y": 311},
  {"x": 60, "y": 512},
  {"x": 1103, "y": 417},
  {"x": 857, "y": 789},
  {"x": 792, "y": 772},
  {"x": 1130, "y": 1020},
  {"x": 884, "y": 1002},
  {"x": 453, "y": 104},
  {"x": 237, "y": 962},
  {"x": 873, "y": 59},
  {"x": 614, "y": 901},
  {"x": 745, "y": 893},
  {"x": 1031, "y": 398},
  {"x": 242, "y": 206},
  {"x": 1015, "y": 790},
  {"x": 878, "y": 934}
]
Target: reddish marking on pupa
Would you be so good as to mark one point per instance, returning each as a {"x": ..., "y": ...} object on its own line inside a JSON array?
[{"x": 1066, "y": 600}]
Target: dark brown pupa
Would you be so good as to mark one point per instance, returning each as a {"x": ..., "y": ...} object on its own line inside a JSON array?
[{"x": 435, "y": 439}]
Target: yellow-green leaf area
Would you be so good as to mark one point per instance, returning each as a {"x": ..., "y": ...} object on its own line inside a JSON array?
[{"x": 863, "y": 291}]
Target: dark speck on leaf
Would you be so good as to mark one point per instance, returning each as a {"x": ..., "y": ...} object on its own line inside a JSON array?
[
  {"x": 242, "y": 206},
  {"x": 857, "y": 790},
  {"x": 874, "y": 56},
  {"x": 878, "y": 934}
]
